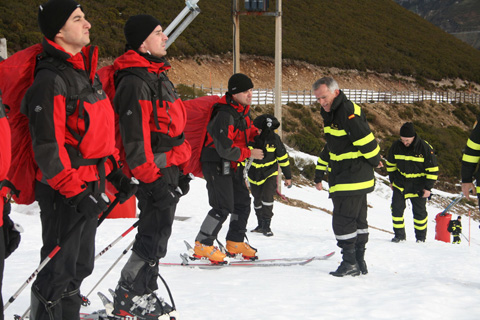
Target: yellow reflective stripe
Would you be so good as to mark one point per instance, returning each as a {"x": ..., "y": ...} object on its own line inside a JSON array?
[
  {"x": 390, "y": 163},
  {"x": 420, "y": 221},
  {"x": 409, "y": 158},
  {"x": 372, "y": 154},
  {"x": 284, "y": 164},
  {"x": 356, "y": 109},
  {"x": 334, "y": 132},
  {"x": 262, "y": 181},
  {"x": 262, "y": 165},
  {"x": 397, "y": 219},
  {"x": 398, "y": 225},
  {"x": 319, "y": 167},
  {"x": 320, "y": 161},
  {"x": 394, "y": 185},
  {"x": 285, "y": 156},
  {"x": 352, "y": 186},
  {"x": 432, "y": 169},
  {"x": 471, "y": 159},
  {"x": 365, "y": 140},
  {"x": 473, "y": 145},
  {"x": 411, "y": 195},
  {"x": 391, "y": 169},
  {"x": 412, "y": 175},
  {"x": 432, "y": 177},
  {"x": 345, "y": 156},
  {"x": 270, "y": 149}
]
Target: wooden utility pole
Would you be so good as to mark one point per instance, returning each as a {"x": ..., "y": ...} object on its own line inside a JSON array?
[
  {"x": 278, "y": 65},
  {"x": 236, "y": 37}
]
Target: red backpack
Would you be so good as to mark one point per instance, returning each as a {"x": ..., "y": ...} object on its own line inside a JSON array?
[
  {"x": 16, "y": 76},
  {"x": 199, "y": 113}
]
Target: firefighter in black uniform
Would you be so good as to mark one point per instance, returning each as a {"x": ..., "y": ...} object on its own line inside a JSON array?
[
  {"x": 456, "y": 227},
  {"x": 470, "y": 160},
  {"x": 351, "y": 154},
  {"x": 262, "y": 174},
  {"x": 412, "y": 168}
]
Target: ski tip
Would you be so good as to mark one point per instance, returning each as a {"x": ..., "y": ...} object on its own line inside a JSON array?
[{"x": 107, "y": 303}]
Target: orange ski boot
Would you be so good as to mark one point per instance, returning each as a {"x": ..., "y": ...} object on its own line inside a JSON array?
[
  {"x": 209, "y": 252},
  {"x": 241, "y": 248}
]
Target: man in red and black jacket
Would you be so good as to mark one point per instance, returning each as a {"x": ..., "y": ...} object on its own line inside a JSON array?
[
  {"x": 71, "y": 123},
  {"x": 152, "y": 119},
  {"x": 226, "y": 146}
]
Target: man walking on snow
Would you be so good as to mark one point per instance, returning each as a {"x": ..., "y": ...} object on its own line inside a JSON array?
[
  {"x": 412, "y": 169},
  {"x": 351, "y": 153}
]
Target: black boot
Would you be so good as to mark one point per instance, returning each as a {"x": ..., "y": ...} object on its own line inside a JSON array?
[
  {"x": 349, "y": 266},
  {"x": 266, "y": 228},
  {"x": 360, "y": 256},
  {"x": 259, "y": 228}
]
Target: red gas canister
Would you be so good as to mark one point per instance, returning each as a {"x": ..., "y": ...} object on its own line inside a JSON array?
[{"x": 441, "y": 233}]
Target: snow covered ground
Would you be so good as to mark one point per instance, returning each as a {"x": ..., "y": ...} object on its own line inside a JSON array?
[{"x": 409, "y": 280}]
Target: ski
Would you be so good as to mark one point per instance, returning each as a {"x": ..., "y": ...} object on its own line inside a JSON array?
[{"x": 274, "y": 262}]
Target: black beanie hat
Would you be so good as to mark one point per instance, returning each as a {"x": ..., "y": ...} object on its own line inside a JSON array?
[
  {"x": 265, "y": 122},
  {"x": 407, "y": 130},
  {"x": 53, "y": 15},
  {"x": 138, "y": 28},
  {"x": 239, "y": 83}
]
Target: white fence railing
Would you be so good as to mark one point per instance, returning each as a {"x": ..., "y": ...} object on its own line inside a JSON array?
[{"x": 306, "y": 97}]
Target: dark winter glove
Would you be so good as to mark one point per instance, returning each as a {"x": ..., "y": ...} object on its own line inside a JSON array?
[
  {"x": 163, "y": 193},
  {"x": 126, "y": 187},
  {"x": 88, "y": 204},
  {"x": 184, "y": 183},
  {"x": 11, "y": 232}
]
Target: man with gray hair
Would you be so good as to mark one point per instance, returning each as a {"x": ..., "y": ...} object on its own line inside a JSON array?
[{"x": 351, "y": 152}]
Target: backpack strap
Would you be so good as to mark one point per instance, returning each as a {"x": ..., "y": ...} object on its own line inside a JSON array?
[{"x": 154, "y": 85}]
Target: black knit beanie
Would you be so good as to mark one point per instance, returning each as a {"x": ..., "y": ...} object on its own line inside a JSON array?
[
  {"x": 239, "y": 83},
  {"x": 53, "y": 15},
  {"x": 266, "y": 122},
  {"x": 407, "y": 130},
  {"x": 138, "y": 28}
]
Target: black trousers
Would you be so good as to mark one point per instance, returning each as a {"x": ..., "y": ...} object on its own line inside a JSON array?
[
  {"x": 350, "y": 221},
  {"x": 263, "y": 198},
  {"x": 420, "y": 216},
  {"x": 61, "y": 278},
  {"x": 227, "y": 194},
  {"x": 140, "y": 273},
  {"x": 2, "y": 255}
]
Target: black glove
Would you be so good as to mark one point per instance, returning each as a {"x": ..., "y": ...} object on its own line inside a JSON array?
[
  {"x": 125, "y": 186},
  {"x": 88, "y": 204},
  {"x": 11, "y": 232},
  {"x": 162, "y": 192},
  {"x": 184, "y": 183}
]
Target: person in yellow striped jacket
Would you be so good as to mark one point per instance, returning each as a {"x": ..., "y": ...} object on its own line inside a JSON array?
[
  {"x": 412, "y": 169},
  {"x": 470, "y": 161},
  {"x": 262, "y": 174},
  {"x": 350, "y": 156}
]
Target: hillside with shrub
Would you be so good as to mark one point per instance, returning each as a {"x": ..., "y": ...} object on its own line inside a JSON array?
[{"x": 377, "y": 35}]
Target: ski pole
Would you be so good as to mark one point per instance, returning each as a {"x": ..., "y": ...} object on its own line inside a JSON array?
[
  {"x": 52, "y": 254},
  {"x": 114, "y": 242},
  {"x": 111, "y": 267}
]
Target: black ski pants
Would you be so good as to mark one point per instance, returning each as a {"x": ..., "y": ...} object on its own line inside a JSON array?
[
  {"x": 420, "y": 216},
  {"x": 58, "y": 283},
  {"x": 140, "y": 273},
  {"x": 350, "y": 221},
  {"x": 263, "y": 198},
  {"x": 226, "y": 194}
]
